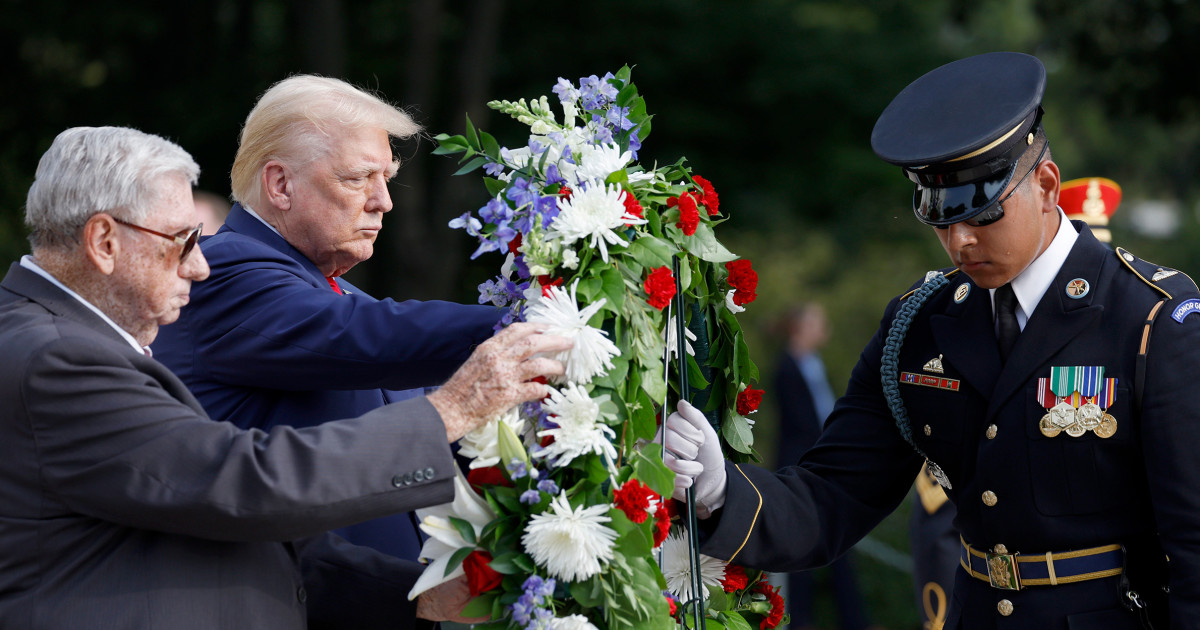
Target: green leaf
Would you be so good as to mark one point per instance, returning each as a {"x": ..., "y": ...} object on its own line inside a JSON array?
[
  {"x": 734, "y": 621},
  {"x": 588, "y": 593},
  {"x": 650, "y": 470},
  {"x": 472, "y": 165},
  {"x": 480, "y": 606},
  {"x": 613, "y": 288},
  {"x": 704, "y": 244},
  {"x": 644, "y": 424},
  {"x": 651, "y": 252},
  {"x": 624, "y": 73},
  {"x": 620, "y": 178},
  {"x": 456, "y": 559},
  {"x": 506, "y": 563},
  {"x": 464, "y": 528},
  {"x": 696, "y": 380},
  {"x": 490, "y": 146},
  {"x": 653, "y": 383},
  {"x": 685, "y": 276},
  {"x": 718, "y": 600},
  {"x": 472, "y": 137},
  {"x": 737, "y": 434},
  {"x": 494, "y": 186}
]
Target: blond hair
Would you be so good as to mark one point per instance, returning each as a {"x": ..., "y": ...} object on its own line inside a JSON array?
[{"x": 293, "y": 121}]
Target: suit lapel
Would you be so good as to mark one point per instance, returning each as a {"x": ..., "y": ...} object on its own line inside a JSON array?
[
  {"x": 241, "y": 222},
  {"x": 35, "y": 288},
  {"x": 1057, "y": 319}
]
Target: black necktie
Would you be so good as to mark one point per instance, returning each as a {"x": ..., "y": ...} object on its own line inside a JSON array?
[{"x": 1006, "y": 319}]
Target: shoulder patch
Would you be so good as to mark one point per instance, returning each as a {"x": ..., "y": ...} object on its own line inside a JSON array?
[
  {"x": 949, "y": 273},
  {"x": 1168, "y": 282},
  {"x": 1185, "y": 308}
]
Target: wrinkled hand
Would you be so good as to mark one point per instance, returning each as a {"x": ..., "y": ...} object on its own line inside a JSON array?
[
  {"x": 496, "y": 377},
  {"x": 445, "y": 601},
  {"x": 693, "y": 451}
]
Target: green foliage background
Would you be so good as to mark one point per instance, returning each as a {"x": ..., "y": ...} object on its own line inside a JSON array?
[{"x": 772, "y": 100}]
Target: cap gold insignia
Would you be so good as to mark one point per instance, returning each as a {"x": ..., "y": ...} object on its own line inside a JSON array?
[
  {"x": 1077, "y": 288},
  {"x": 934, "y": 365},
  {"x": 1163, "y": 274},
  {"x": 961, "y": 292}
]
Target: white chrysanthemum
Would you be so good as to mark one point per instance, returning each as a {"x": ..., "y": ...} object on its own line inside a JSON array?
[
  {"x": 574, "y": 622},
  {"x": 481, "y": 445},
  {"x": 733, "y": 308},
  {"x": 572, "y": 544},
  {"x": 600, "y": 161},
  {"x": 580, "y": 429},
  {"x": 677, "y": 569},
  {"x": 592, "y": 353},
  {"x": 592, "y": 214},
  {"x": 444, "y": 538},
  {"x": 670, "y": 337}
]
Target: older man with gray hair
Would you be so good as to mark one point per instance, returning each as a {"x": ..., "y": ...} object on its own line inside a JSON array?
[{"x": 122, "y": 504}]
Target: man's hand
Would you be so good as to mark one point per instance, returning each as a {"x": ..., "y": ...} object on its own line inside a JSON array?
[
  {"x": 497, "y": 377},
  {"x": 445, "y": 601},
  {"x": 693, "y": 451}
]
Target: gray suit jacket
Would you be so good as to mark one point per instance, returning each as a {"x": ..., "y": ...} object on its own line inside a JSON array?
[{"x": 122, "y": 505}]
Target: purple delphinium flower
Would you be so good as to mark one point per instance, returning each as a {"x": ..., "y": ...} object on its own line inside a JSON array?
[
  {"x": 603, "y": 136},
  {"x": 548, "y": 486},
  {"x": 553, "y": 176},
  {"x": 530, "y": 497},
  {"x": 517, "y": 469},
  {"x": 468, "y": 223},
  {"x": 618, "y": 118},
  {"x": 495, "y": 169},
  {"x": 565, "y": 90},
  {"x": 496, "y": 211},
  {"x": 493, "y": 292},
  {"x": 520, "y": 193}
]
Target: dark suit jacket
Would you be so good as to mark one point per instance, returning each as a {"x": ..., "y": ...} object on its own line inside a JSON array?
[
  {"x": 1137, "y": 488},
  {"x": 122, "y": 505},
  {"x": 265, "y": 342},
  {"x": 799, "y": 426}
]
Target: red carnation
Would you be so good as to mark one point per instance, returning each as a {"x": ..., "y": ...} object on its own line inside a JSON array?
[
  {"x": 632, "y": 206},
  {"x": 514, "y": 244},
  {"x": 748, "y": 401},
  {"x": 633, "y": 499},
  {"x": 773, "y": 619},
  {"x": 662, "y": 521},
  {"x": 660, "y": 287},
  {"x": 565, "y": 193},
  {"x": 710, "y": 198},
  {"x": 490, "y": 476},
  {"x": 689, "y": 214},
  {"x": 547, "y": 283},
  {"x": 673, "y": 605},
  {"x": 743, "y": 279},
  {"x": 735, "y": 578},
  {"x": 480, "y": 576}
]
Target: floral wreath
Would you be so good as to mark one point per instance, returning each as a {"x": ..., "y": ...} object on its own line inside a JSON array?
[{"x": 562, "y": 522}]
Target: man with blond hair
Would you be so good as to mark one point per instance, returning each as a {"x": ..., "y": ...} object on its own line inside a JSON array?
[
  {"x": 122, "y": 504},
  {"x": 275, "y": 336}
]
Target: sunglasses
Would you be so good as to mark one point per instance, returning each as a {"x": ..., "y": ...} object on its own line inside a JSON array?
[
  {"x": 188, "y": 243},
  {"x": 996, "y": 212}
]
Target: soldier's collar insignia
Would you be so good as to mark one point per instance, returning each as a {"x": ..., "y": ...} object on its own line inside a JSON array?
[
  {"x": 1127, "y": 256},
  {"x": 1077, "y": 288},
  {"x": 934, "y": 365},
  {"x": 1187, "y": 307},
  {"x": 1163, "y": 274},
  {"x": 961, "y": 292}
]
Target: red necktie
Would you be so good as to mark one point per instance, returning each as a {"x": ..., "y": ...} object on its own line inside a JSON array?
[{"x": 334, "y": 285}]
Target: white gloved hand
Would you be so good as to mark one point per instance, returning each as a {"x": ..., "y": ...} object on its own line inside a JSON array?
[{"x": 693, "y": 451}]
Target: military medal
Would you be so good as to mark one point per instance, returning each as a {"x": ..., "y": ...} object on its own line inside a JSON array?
[{"x": 1076, "y": 399}]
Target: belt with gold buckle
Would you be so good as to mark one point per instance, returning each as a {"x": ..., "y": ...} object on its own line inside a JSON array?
[{"x": 1015, "y": 571}]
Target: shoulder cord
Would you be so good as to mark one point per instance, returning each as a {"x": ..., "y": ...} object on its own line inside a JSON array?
[
  {"x": 889, "y": 370},
  {"x": 1139, "y": 378}
]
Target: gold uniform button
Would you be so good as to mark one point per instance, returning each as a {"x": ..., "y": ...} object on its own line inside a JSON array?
[
  {"x": 928, "y": 430},
  {"x": 1000, "y": 549},
  {"x": 1004, "y": 607},
  {"x": 989, "y": 498},
  {"x": 991, "y": 431}
]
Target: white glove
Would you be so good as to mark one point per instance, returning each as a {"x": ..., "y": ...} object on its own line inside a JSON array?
[{"x": 693, "y": 451}]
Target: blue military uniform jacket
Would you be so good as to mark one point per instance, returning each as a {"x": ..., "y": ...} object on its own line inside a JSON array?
[
  {"x": 265, "y": 342},
  {"x": 1012, "y": 485}
]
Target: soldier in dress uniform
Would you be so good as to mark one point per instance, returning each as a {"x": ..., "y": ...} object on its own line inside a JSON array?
[
  {"x": 1065, "y": 416},
  {"x": 935, "y": 543}
]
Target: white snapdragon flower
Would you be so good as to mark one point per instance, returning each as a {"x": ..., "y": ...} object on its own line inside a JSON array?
[
  {"x": 482, "y": 444},
  {"x": 444, "y": 539},
  {"x": 592, "y": 354},
  {"x": 581, "y": 430},
  {"x": 572, "y": 544},
  {"x": 670, "y": 337},
  {"x": 592, "y": 214}
]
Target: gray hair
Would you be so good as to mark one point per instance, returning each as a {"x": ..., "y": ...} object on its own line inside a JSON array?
[
  {"x": 89, "y": 170},
  {"x": 294, "y": 119}
]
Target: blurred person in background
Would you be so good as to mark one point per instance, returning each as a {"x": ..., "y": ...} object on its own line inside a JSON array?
[{"x": 212, "y": 209}]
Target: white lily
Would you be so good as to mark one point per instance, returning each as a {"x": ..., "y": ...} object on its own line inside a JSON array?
[{"x": 444, "y": 538}]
